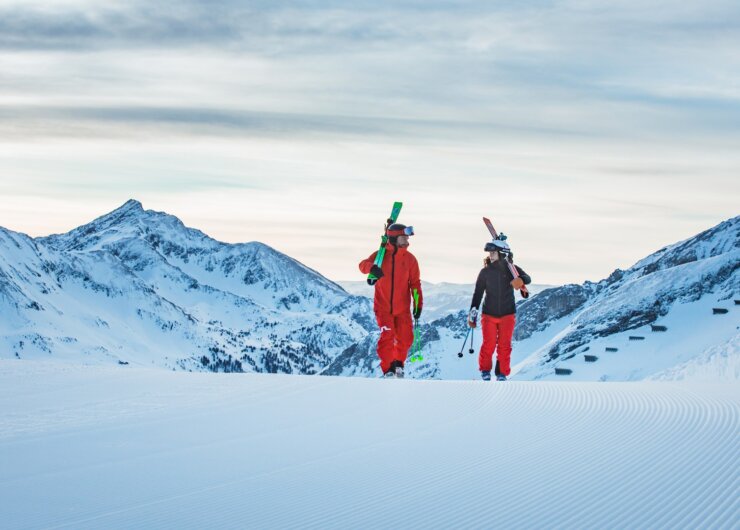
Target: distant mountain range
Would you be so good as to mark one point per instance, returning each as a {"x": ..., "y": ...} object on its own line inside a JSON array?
[{"x": 138, "y": 287}]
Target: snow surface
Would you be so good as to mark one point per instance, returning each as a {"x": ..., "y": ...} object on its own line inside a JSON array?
[
  {"x": 126, "y": 447},
  {"x": 718, "y": 363},
  {"x": 689, "y": 328}
]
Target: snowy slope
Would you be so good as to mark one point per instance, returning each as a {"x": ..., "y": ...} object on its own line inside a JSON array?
[
  {"x": 138, "y": 286},
  {"x": 103, "y": 447},
  {"x": 658, "y": 314},
  {"x": 144, "y": 238},
  {"x": 677, "y": 288}
]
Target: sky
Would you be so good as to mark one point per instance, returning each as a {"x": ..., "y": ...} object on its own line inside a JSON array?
[{"x": 592, "y": 133}]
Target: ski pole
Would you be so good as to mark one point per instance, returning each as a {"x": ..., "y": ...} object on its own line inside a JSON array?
[
  {"x": 460, "y": 353},
  {"x": 420, "y": 347},
  {"x": 416, "y": 348},
  {"x": 472, "y": 335}
]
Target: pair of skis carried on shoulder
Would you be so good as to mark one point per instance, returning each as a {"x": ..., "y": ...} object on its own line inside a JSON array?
[
  {"x": 512, "y": 268},
  {"x": 395, "y": 212}
]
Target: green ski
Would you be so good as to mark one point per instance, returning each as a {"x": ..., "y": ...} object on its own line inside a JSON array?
[
  {"x": 416, "y": 346},
  {"x": 395, "y": 212}
]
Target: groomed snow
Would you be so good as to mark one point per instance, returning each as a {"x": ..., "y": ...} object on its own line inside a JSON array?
[{"x": 123, "y": 447}]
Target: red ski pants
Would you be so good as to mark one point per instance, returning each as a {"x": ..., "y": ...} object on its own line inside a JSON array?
[
  {"x": 497, "y": 333},
  {"x": 396, "y": 338}
]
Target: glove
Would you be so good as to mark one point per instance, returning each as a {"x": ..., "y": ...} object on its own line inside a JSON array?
[
  {"x": 377, "y": 272},
  {"x": 473, "y": 317},
  {"x": 417, "y": 312},
  {"x": 517, "y": 283}
]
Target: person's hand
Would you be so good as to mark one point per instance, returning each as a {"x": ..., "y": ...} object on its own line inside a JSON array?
[
  {"x": 417, "y": 313},
  {"x": 517, "y": 283},
  {"x": 377, "y": 272},
  {"x": 473, "y": 317}
]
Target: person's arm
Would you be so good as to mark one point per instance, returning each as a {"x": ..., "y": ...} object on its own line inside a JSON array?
[
  {"x": 523, "y": 275},
  {"x": 415, "y": 284},
  {"x": 366, "y": 265},
  {"x": 480, "y": 288}
]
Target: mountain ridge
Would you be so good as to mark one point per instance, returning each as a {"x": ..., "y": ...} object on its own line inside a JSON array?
[
  {"x": 218, "y": 305},
  {"x": 139, "y": 286}
]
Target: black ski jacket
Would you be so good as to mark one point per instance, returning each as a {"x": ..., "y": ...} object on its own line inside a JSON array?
[{"x": 495, "y": 281}]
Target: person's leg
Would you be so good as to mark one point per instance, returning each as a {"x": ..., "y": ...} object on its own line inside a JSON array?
[
  {"x": 490, "y": 333},
  {"x": 385, "y": 341},
  {"x": 404, "y": 331},
  {"x": 503, "y": 348}
]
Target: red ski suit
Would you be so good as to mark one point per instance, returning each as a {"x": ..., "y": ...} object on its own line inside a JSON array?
[
  {"x": 497, "y": 333},
  {"x": 392, "y": 305}
]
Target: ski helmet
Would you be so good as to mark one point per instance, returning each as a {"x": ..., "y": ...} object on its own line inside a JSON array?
[
  {"x": 398, "y": 229},
  {"x": 499, "y": 246}
]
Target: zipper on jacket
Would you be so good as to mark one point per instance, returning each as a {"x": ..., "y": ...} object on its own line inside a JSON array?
[{"x": 393, "y": 274}]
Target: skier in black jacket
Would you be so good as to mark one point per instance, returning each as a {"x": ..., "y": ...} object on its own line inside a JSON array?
[{"x": 499, "y": 308}]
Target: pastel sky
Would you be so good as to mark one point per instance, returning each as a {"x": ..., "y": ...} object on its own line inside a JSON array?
[{"x": 593, "y": 133}]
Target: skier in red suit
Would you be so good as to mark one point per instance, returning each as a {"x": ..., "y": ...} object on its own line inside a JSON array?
[{"x": 398, "y": 278}]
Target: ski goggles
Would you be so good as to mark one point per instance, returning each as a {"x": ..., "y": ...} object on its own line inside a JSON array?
[
  {"x": 501, "y": 247},
  {"x": 408, "y": 231}
]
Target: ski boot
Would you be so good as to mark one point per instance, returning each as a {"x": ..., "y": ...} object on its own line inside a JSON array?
[
  {"x": 399, "y": 369},
  {"x": 500, "y": 377},
  {"x": 395, "y": 371},
  {"x": 486, "y": 375}
]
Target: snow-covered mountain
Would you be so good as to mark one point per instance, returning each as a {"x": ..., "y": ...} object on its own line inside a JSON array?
[
  {"x": 673, "y": 312},
  {"x": 674, "y": 306},
  {"x": 137, "y": 286}
]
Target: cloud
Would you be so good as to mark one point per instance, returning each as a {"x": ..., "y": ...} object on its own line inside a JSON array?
[
  {"x": 577, "y": 110},
  {"x": 96, "y": 25},
  {"x": 397, "y": 69}
]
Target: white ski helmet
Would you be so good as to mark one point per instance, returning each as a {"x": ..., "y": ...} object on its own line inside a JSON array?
[{"x": 499, "y": 246}]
